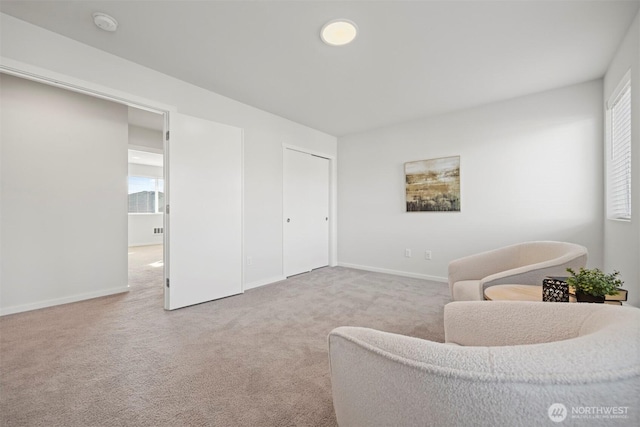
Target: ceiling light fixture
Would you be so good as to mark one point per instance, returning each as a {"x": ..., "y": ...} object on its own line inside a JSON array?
[
  {"x": 339, "y": 32},
  {"x": 105, "y": 22}
]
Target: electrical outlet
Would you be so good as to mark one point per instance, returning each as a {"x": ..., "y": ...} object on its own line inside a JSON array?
[
  {"x": 407, "y": 253},
  {"x": 249, "y": 260},
  {"x": 427, "y": 255}
]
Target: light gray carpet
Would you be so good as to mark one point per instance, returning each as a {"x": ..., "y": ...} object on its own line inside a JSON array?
[{"x": 257, "y": 359}]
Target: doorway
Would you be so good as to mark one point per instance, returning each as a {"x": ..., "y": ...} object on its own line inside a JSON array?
[
  {"x": 69, "y": 174},
  {"x": 145, "y": 199}
]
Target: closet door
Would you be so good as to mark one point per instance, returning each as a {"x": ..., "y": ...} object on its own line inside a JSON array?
[
  {"x": 204, "y": 223},
  {"x": 306, "y": 212}
]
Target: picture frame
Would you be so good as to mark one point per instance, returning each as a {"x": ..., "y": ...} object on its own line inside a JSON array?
[{"x": 433, "y": 185}]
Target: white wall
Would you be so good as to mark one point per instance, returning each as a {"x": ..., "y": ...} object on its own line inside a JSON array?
[
  {"x": 264, "y": 133},
  {"x": 141, "y": 226},
  {"x": 141, "y": 229},
  {"x": 622, "y": 239},
  {"x": 531, "y": 169},
  {"x": 64, "y": 205},
  {"x": 143, "y": 137}
]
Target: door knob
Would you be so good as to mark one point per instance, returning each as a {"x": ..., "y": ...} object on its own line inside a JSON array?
[{"x": 288, "y": 219}]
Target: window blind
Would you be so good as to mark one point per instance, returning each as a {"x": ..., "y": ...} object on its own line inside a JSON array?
[
  {"x": 619, "y": 167},
  {"x": 146, "y": 195}
]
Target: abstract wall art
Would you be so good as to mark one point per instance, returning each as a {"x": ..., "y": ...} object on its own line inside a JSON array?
[{"x": 433, "y": 185}]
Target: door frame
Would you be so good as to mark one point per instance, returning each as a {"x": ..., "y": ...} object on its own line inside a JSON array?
[
  {"x": 63, "y": 81},
  {"x": 333, "y": 200}
]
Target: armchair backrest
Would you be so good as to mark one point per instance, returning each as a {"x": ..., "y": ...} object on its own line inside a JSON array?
[
  {"x": 576, "y": 341},
  {"x": 535, "y": 252}
]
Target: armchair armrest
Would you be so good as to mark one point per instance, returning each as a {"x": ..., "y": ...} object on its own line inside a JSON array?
[
  {"x": 383, "y": 379},
  {"x": 483, "y": 264},
  {"x": 501, "y": 323},
  {"x": 531, "y": 274}
]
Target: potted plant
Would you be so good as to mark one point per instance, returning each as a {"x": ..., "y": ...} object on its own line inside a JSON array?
[{"x": 593, "y": 285}]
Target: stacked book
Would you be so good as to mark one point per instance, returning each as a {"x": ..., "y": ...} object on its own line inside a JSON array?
[{"x": 616, "y": 299}]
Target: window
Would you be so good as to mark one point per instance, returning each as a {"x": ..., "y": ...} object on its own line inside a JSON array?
[
  {"x": 619, "y": 152},
  {"x": 146, "y": 195}
]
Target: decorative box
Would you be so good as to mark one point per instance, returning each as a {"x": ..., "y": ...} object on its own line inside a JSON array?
[{"x": 555, "y": 289}]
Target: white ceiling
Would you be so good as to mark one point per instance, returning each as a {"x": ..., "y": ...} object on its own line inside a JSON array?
[
  {"x": 411, "y": 58},
  {"x": 145, "y": 158}
]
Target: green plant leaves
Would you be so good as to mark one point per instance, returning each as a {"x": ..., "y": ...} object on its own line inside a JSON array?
[{"x": 594, "y": 281}]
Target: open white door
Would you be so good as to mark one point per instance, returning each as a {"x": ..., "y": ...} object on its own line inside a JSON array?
[{"x": 204, "y": 221}]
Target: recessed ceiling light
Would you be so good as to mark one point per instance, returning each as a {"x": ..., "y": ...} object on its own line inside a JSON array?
[
  {"x": 105, "y": 22},
  {"x": 338, "y": 32}
]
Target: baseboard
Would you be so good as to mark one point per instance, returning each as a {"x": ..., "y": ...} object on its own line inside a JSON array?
[
  {"x": 394, "y": 272},
  {"x": 59, "y": 301},
  {"x": 263, "y": 282},
  {"x": 137, "y": 245}
]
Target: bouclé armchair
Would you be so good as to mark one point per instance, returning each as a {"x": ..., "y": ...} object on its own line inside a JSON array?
[
  {"x": 504, "y": 363},
  {"x": 524, "y": 263}
]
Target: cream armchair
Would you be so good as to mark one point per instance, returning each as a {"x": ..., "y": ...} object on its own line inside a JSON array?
[
  {"x": 504, "y": 363},
  {"x": 524, "y": 263}
]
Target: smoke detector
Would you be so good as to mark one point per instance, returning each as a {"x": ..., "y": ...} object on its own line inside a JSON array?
[{"x": 105, "y": 22}]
